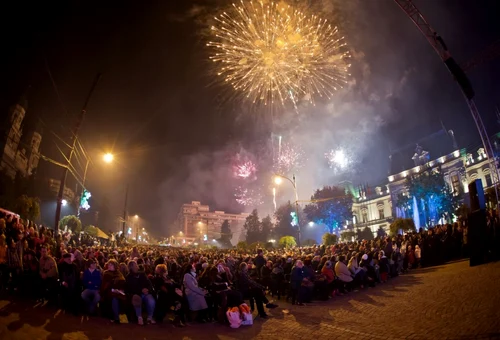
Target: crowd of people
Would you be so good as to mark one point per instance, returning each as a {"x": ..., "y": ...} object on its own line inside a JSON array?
[{"x": 146, "y": 283}]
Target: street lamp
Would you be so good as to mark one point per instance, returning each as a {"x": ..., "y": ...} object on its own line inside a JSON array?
[
  {"x": 278, "y": 179},
  {"x": 64, "y": 202},
  {"x": 311, "y": 224},
  {"x": 108, "y": 157}
]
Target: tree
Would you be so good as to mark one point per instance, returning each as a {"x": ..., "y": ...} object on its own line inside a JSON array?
[
  {"x": 365, "y": 234},
  {"x": 266, "y": 229},
  {"x": 72, "y": 222},
  {"x": 253, "y": 227},
  {"x": 433, "y": 195},
  {"x": 284, "y": 219},
  {"x": 28, "y": 207},
  {"x": 347, "y": 235},
  {"x": 403, "y": 224},
  {"x": 332, "y": 207},
  {"x": 329, "y": 239},
  {"x": 287, "y": 242},
  {"x": 225, "y": 235},
  {"x": 381, "y": 232},
  {"x": 242, "y": 245},
  {"x": 257, "y": 245},
  {"x": 91, "y": 230}
]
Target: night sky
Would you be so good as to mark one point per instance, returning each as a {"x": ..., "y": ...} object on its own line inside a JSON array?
[{"x": 172, "y": 127}]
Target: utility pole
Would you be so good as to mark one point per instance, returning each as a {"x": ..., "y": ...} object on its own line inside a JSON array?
[{"x": 74, "y": 137}]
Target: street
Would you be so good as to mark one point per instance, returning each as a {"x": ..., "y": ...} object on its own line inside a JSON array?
[{"x": 452, "y": 301}]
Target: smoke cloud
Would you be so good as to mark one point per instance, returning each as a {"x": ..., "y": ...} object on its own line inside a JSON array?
[{"x": 356, "y": 119}]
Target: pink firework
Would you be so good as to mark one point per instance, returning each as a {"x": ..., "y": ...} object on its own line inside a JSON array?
[
  {"x": 244, "y": 170},
  {"x": 289, "y": 159}
]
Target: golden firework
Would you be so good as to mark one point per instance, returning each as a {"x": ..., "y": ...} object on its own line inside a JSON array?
[{"x": 274, "y": 53}]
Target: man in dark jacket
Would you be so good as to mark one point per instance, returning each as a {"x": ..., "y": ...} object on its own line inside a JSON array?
[
  {"x": 91, "y": 286},
  {"x": 69, "y": 277},
  {"x": 139, "y": 288},
  {"x": 259, "y": 261}
]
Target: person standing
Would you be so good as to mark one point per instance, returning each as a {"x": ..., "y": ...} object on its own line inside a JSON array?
[{"x": 49, "y": 275}]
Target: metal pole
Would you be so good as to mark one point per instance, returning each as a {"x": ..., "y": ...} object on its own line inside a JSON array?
[
  {"x": 297, "y": 209},
  {"x": 125, "y": 211},
  {"x": 64, "y": 176}
]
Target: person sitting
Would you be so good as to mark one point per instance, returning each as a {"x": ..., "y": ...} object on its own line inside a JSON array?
[
  {"x": 343, "y": 273},
  {"x": 194, "y": 294},
  {"x": 169, "y": 296},
  {"x": 91, "y": 286},
  {"x": 384, "y": 266},
  {"x": 139, "y": 289},
  {"x": 112, "y": 288},
  {"x": 358, "y": 274},
  {"x": 327, "y": 271},
  {"x": 366, "y": 266}
]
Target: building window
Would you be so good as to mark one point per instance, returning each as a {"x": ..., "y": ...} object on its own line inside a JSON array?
[
  {"x": 381, "y": 213},
  {"x": 487, "y": 177},
  {"x": 364, "y": 217},
  {"x": 455, "y": 182}
]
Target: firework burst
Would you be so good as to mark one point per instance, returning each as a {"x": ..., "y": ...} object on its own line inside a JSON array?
[
  {"x": 244, "y": 170},
  {"x": 274, "y": 53},
  {"x": 338, "y": 160},
  {"x": 290, "y": 158},
  {"x": 248, "y": 197}
]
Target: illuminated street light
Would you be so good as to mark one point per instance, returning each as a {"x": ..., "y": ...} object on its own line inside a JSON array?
[
  {"x": 64, "y": 203},
  {"x": 278, "y": 180},
  {"x": 108, "y": 157},
  {"x": 311, "y": 224},
  {"x": 136, "y": 216}
]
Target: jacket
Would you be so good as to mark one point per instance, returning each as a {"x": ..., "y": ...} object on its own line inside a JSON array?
[
  {"x": 245, "y": 283},
  {"x": 328, "y": 272},
  {"x": 48, "y": 266},
  {"x": 296, "y": 277},
  {"x": 69, "y": 273},
  {"x": 92, "y": 280},
  {"x": 342, "y": 272},
  {"x": 194, "y": 294},
  {"x": 136, "y": 282}
]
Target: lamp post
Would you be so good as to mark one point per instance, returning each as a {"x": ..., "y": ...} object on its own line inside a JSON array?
[{"x": 278, "y": 179}]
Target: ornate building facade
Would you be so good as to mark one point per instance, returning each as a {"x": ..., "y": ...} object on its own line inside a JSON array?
[{"x": 19, "y": 145}]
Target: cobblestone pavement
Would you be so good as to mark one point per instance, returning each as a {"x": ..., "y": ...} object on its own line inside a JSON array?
[{"x": 452, "y": 301}]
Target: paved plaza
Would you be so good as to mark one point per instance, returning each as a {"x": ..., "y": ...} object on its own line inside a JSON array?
[{"x": 452, "y": 301}]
